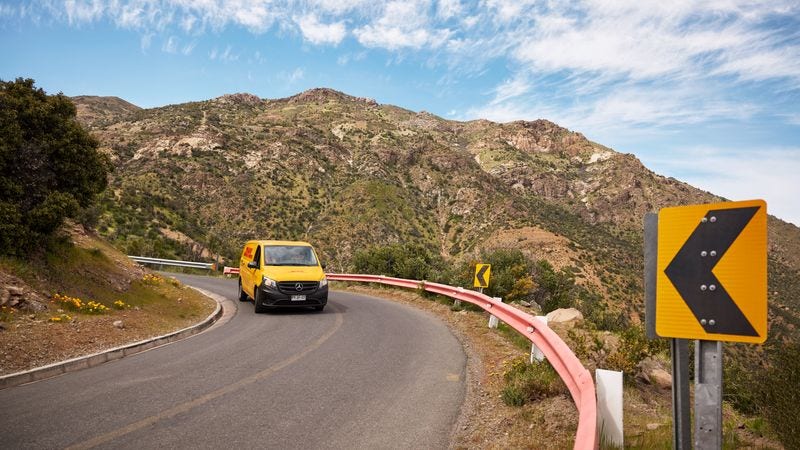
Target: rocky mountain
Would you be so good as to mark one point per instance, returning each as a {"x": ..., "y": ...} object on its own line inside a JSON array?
[{"x": 196, "y": 180}]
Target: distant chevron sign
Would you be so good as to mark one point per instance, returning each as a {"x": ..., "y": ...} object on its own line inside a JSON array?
[
  {"x": 482, "y": 272},
  {"x": 712, "y": 272}
]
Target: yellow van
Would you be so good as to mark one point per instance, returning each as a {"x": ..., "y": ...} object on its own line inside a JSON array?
[{"x": 282, "y": 274}]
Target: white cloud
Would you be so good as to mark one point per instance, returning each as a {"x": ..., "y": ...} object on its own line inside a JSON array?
[
  {"x": 402, "y": 25},
  {"x": 226, "y": 55},
  {"x": 345, "y": 59},
  {"x": 145, "y": 41},
  {"x": 292, "y": 77},
  {"x": 338, "y": 7},
  {"x": 188, "y": 48},
  {"x": 511, "y": 88},
  {"x": 171, "y": 45},
  {"x": 768, "y": 173},
  {"x": 80, "y": 11},
  {"x": 321, "y": 33},
  {"x": 448, "y": 9},
  {"x": 509, "y": 10}
]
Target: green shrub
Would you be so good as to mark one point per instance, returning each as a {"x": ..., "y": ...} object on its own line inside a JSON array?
[
  {"x": 530, "y": 382},
  {"x": 412, "y": 261},
  {"x": 556, "y": 289},
  {"x": 634, "y": 347}
]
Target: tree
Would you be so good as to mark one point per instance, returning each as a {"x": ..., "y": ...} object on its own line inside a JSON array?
[{"x": 50, "y": 167}]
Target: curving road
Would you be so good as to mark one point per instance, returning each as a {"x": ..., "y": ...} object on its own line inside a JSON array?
[{"x": 366, "y": 373}]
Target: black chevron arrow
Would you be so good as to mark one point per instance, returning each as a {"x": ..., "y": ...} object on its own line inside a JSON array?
[
  {"x": 482, "y": 281},
  {"x": 690, "y": 272}
]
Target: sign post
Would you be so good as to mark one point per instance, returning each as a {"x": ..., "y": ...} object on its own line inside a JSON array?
[{"x": 705, "y": 279}]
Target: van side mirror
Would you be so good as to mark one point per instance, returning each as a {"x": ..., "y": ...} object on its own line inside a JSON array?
[{"x": 252, "y": 265}]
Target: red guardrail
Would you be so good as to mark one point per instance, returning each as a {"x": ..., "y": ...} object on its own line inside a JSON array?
[{"x": 576, "y": 377}]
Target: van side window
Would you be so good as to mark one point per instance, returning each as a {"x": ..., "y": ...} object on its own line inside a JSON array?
[{"x": 257, "y": 256}]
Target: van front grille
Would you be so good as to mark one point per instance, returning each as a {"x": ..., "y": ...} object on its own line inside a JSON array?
[{"x": 297, "y": 287}]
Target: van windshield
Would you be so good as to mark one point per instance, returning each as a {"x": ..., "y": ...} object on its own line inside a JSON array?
[{"x": 289, "y": 255}]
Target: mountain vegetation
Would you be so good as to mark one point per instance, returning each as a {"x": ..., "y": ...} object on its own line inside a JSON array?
[{"x": 383, "y": 189}]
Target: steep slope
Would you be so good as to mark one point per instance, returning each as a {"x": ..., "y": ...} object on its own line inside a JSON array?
[
  {"x": 196, "y": 180},
  {"x": 94, "y": 110}
]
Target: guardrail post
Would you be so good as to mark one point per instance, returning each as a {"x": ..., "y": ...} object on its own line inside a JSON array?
[
  {"x": 494, "y": 321},
  {"x": 536, "y": 353},
  {"x": 457, "y": 302},
  {"x": 609, "y": 406}
]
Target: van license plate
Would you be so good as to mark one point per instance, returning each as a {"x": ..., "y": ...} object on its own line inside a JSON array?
[{"x": 298, "y": 298}]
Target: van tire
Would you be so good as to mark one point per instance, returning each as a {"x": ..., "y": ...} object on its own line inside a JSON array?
[
  {"x": 242, "y": 295},
  {"x": 260, "y": 308},
  {"x": 319, "y": 308}
]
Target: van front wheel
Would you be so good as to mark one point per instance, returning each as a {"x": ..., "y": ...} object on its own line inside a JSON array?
[
  {"x": 260, "y": 308},
  {"x": 242, "y": 294}
]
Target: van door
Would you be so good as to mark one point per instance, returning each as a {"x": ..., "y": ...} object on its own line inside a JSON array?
[
  {"x": 245, "y": 273},
  {"x": 254, "y": 274}
]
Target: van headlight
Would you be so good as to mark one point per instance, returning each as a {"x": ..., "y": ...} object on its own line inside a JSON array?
[
  {"x": 268, "y": 282},
  {"x": 323, "y": 282}
]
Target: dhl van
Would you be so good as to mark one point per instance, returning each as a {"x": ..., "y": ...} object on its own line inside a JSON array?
[{"x": 282, "y": 274}]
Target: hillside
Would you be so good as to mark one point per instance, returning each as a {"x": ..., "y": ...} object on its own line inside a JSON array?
[
  {"x": 82, "y": 296},
  {"x": 196, "y": 180}
]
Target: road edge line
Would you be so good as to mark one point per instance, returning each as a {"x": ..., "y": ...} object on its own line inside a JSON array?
[{"x": 112, "y": 354}]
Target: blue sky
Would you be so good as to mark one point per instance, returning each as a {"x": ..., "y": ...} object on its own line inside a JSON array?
[{"x": 706, "y": 92}]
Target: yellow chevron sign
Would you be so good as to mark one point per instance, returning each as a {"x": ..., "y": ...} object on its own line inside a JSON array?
[
  {"x": 712, "y": 272},
  {"x": 482, "y": 272}
]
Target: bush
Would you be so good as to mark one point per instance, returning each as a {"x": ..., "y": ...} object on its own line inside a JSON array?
[
  {"x": 412, "y": 261},
  {"x": 530, "y": 382},
  {"x": 634, "y": 347},
  {"x": 556, "y": 290},
  {"x": 49, "y": 165},
  {"x": 510, "y": 279}
]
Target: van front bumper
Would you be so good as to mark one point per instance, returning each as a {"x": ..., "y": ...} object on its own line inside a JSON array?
[{"x": 277, "y": 298}]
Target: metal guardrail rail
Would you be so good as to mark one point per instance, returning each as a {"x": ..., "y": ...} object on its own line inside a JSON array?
[
  {"x": 576, "y": 377},
  {"x": 171, "y": 262}
]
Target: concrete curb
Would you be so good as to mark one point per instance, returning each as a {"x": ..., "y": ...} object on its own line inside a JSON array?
[{"x": 84, "y": 362}]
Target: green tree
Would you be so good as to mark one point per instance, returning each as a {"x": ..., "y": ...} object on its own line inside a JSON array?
[{"x": 49, "y": 165}]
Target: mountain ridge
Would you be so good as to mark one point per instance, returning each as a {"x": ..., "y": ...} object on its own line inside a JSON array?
[{"x": 348, "y": 172}]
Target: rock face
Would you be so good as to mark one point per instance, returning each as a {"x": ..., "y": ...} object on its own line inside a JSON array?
[
  {"x": 566, "y": 317},
  {"x": 15, "y": 296},
  {"x": 652, "y": 371}
]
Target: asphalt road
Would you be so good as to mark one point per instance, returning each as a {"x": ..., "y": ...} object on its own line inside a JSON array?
[{"x": 365, "y": 373}]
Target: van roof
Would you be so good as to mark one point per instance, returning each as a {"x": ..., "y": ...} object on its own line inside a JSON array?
[{"x": 273, "y": 242}]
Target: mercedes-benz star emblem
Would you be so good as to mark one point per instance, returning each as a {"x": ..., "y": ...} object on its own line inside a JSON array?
[{"x": 298, "y": 287}]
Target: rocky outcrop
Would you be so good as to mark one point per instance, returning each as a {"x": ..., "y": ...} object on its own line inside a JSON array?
[
  {"x": 652, "y": 371},
  {"x": 564, "y": 317},
  {"x": 21, "y": 298}
]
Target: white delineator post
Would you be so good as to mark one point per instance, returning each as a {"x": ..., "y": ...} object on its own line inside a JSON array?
[
  {"x": 494, "y": 321},
  {"x": 609, "y": 406},
  {"x": 536, "y": 354}
]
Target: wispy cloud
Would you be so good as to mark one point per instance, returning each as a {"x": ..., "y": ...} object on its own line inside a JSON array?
[
  {"x": 170, "y": 45},
  {"x": 292, "y": 77},
  {"x": 226, "y": 55}
]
